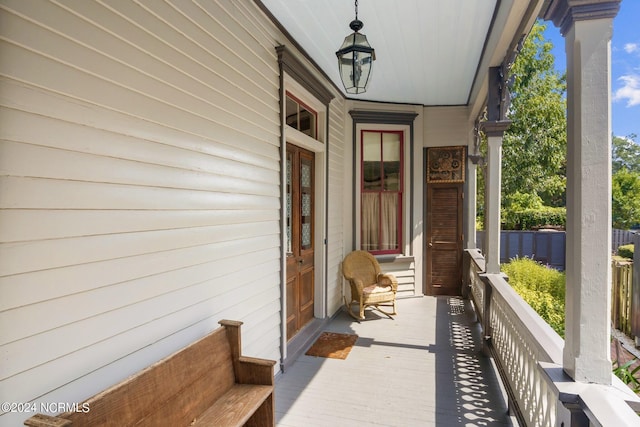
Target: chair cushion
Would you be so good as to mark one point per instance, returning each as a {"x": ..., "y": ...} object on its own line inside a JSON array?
[{"x": 375, "y": 289}]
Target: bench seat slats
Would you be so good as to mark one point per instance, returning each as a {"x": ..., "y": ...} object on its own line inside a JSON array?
[{"x": 235, "y": 407}]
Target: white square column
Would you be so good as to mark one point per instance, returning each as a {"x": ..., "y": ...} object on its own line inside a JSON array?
[
  {"x": 587, "y": 27},
  {"x": 588, "y": 297},
  {"x": 494, "y": 130}
]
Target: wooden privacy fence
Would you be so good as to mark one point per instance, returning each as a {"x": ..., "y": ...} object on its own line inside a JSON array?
[
  {"x": 546, "y": 247},
  {"x": 625, "y": 286},
  {"x": 621, "y": 295},
  {"x": 622, "y": 237}
]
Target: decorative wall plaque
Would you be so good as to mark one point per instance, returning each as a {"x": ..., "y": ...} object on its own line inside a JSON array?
[{"x": 446, "y": 164}]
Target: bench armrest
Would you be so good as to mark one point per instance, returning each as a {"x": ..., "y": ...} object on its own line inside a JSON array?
[
  {"x": 252, "y": 370},
  {"x": 42, "y": 420}
]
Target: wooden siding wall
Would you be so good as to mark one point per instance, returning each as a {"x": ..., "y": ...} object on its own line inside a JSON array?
[
  {"x": 404, "y": 270},
  {"x": 139, "y": 192},
  {"x": 336, "y": 224}
]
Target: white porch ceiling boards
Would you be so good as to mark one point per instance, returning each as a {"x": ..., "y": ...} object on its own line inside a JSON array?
[{"x": 427, "y": 50}]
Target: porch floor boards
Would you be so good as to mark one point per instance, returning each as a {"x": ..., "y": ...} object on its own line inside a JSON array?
[{"x": 423, "y": 368}]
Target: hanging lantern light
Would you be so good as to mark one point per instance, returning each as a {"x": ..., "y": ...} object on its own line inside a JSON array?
[{"x": 355, "y": 59}]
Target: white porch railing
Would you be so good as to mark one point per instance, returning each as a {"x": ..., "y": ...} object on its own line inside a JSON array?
[{"x": 528, "y": 354}]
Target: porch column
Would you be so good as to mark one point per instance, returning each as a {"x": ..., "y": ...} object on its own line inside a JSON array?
[
  {"x": 470, "y": 195},
  {"x": 587, "y": 27},
  {"x": 470, "y": 206},
  {"x": 494, "y": 130}
]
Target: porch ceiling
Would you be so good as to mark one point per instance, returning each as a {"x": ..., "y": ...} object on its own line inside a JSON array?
[{"x": 429, "y": 52}]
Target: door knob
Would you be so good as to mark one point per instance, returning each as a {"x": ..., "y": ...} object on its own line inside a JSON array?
[{"x": 430, "y": 244}]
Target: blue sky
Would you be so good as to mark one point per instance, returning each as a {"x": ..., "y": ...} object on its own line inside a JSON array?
[{"x": 625, "y": 67}]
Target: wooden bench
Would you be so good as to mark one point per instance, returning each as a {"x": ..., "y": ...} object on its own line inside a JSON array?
[{"x": 208, "y": 383}]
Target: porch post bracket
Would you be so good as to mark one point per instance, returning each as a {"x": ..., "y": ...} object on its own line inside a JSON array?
[{"x": 475, "y": 157}]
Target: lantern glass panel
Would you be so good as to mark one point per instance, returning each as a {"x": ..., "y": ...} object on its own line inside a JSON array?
[{"x": 355, "y": 59}]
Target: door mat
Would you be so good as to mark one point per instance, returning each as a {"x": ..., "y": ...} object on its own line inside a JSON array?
[{"x": 332, "y": 345}]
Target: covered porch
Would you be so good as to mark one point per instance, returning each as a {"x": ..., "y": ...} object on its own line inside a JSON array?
[
  {"x": 485, "y": 359},
  {"x": 424, "y": 367},
  {"x": 144, "y": 198}
]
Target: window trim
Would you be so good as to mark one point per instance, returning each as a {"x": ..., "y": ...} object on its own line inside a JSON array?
[
  {"x": 369, "y": 119},
  {"x": 400, "y": 192}
]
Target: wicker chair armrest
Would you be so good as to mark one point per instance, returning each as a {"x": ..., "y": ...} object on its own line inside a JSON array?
[
  {"x": 385, "y": 279},
  {"x": 357, "y": 285}
]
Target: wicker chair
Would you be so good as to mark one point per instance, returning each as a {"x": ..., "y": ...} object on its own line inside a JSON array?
[{"x": 369, "y": 286}]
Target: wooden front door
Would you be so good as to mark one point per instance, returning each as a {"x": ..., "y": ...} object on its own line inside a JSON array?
[
  {"x": 444, "y": 239},
  {"x": 300, "y": 237}
]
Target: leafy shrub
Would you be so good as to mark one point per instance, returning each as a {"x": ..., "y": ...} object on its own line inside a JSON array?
[
  {"x": 626, "y": 251},
  {"x": 527, "y": 211},
  {"x": 541, "y": 287},
  {"x": 528, "y": 219}
]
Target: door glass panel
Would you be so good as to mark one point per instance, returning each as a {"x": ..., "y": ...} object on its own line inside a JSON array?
[
  {"x": 289, "y": 201},
  {"x": 306, "y": 235},
  {"x": 306, "y": 204},
  {"x": 306, "y": 207},
  {"x": 305, "y": 175}
]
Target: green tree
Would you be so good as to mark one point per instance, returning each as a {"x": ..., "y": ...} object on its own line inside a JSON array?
[
  {"x": 625, "y": 194},
  {"x": 625, "y": 185},
  {"x": 534, "y": 146},
  {"x": 625, "y": 153}
]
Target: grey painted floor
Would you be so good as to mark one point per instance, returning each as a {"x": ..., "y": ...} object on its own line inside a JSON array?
[{"x": 423, "y": 368}]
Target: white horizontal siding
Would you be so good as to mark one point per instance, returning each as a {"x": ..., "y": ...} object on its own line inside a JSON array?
[
  {"x": 28, "y": 320},
  {"x": 28, "y": 288},
  {"x": 23, "y": 225},
  {"x": 139, "y": 187},
  {"x": 155, "y": 51},
  {"x": 404, "y": 271},
  {"x": 335, "y": 238},
  {"x": 112, "y": 313}
]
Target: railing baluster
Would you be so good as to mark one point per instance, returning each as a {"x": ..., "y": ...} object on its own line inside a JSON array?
[{"x": 528, "y": 353}]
